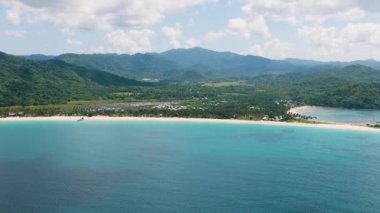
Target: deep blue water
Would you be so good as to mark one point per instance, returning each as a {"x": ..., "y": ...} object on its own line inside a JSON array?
[{"x": 186, "y": 167}]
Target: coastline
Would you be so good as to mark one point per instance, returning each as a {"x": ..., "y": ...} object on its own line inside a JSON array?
[
  {"x": 194, "y": 120},
  {"x": 295, "y": 110}
]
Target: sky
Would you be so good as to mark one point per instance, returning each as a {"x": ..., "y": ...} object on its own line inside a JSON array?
[{"x": 326, "y": 30}]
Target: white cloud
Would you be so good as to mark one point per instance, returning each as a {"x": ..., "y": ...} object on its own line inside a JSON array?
[
  {"x": 269, "y": 7},
  {"x": 312, "y": 15},
  {"x": 319, "y": 29},
  {"x": 248, "y": 27},
  {"x": 15, "y": 33},
  {"x": 350, "y": 14},
  {"x": 366, "y": 33},
  {"x": 273, "y": 49},
  {"x": 173, "y": 34},
  {"x": 369, "y": 5},
  {"x": 239, "y": 25},
  {"x": 211, "y": 36},
  {"x": 133, "y": 41},
  {"x": 298, "y": 11},
  {"x": 192, "y": 42},
  {"x": 73, "y": 42},
  {"x": 324, "y": 7},
  {"x": 360, "y": 33},
  {"x": 94, "y": 14},
  {"x": 351, "y": 42},
  {"x": 67, "y": 31},
  {"x": 13, "y": 15},
  {"x": 321, "y": 36}
]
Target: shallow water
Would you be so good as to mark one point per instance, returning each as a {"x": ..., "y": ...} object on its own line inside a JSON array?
[
  {"x": 336, "y": 115},
  {"x": 124, "y": 166}
]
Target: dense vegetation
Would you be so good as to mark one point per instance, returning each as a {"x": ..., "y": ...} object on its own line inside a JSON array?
[
  {"x": 354, "y": 86},
  {"x": 132, "y": 66},
  {"x": 206, "y": 63},
  {"x": 193, "y": 100},
  {"x": 24, "y": 82},
  {"x": 52, "y": 87}
]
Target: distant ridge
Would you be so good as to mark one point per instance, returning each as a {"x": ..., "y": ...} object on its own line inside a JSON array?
[
  {"x": 203, "y": 61},
  {"x": 39, "y": 57},
  {"x": 354, "y": 86}
]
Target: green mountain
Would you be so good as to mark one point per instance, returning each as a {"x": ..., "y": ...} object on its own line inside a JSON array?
[
  {"x": 227, "y": 64},
  {"x": 132, "y": 66},
  {"x": 333, "y": 64},
  {"x": 328, "y": 78},
  {"x": 189, "y": 76},
  {"x": 39, "y": 57},
  {"x": 158, "y": 65},
  {"x": 207, "y": 63},
  {"x": 355, "y": 86},
  {"x": 36, "y": 82},
  {"x": 26, "y": 82}
]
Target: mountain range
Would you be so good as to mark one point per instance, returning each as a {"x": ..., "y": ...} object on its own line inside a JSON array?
[
  {"x": 353, "y": 86},
  {"x": 40, "y": 79},
  {"x": 26, "y": 82},
  {"x": 202, "y": 63}
]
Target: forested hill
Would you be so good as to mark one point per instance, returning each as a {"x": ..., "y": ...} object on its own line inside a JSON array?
[
  {"x": 179, "y": 62},
  {"x": 227, "y": 64},
  {"x": 26, "y": 82},
  {"x": 354, "y": 86},
  {"x": 132, "y": 66},
  {"x": 201, "y": 62},
  {"x": 165, "y": 65},
  {"x": 328, "y": 78}
]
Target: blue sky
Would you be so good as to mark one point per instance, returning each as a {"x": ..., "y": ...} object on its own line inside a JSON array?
[{"x": 310, "y": 29}]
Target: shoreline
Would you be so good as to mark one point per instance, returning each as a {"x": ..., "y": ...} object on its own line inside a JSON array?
[
  {"x": 295, "y": 110},
  {"x": 348, "y": 127}
]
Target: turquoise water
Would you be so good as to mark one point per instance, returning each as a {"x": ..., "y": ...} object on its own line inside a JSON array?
[
  {"x": 186, "y": 167},
  {"x": 336, "y": 115}
]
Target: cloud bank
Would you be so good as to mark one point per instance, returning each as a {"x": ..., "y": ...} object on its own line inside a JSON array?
[{"x": 316, "y": 29}]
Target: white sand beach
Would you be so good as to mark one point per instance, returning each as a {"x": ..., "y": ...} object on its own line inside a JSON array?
[
  {"x": 296, "y": 110},
  {"x": 196, "y": 120}
]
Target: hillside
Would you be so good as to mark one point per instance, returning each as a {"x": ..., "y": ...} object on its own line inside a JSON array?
[
  {"x": 157, "y": 65},
  {"x": 227, "y": 64},
  {"x": 206, "y": 63},
  {"x": 25, "y": 82},
  {"x": 355, "y": 86},
  {"x": 333, "y": 64},
  {"x": 132, "y": 66},
  {"x": 328, "y": 78},
  {"x": 39, "y": 57}
]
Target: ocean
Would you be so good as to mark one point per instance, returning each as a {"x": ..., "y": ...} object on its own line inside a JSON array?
[{"x": 150, "y": 166}]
